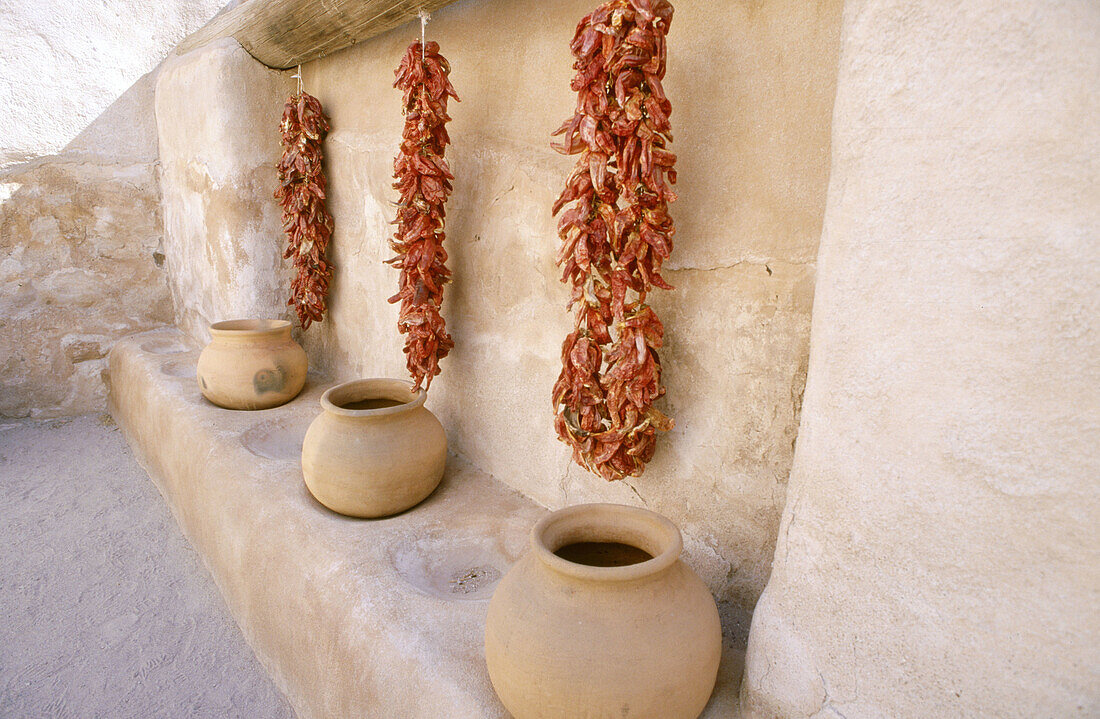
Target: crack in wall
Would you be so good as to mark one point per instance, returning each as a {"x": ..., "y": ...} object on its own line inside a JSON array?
[{"x": 768, "y": 265}]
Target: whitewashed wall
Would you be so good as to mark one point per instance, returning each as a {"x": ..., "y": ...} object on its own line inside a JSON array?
[{"x": 64, "y": 63}]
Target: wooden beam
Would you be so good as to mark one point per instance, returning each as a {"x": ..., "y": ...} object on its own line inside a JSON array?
[{"x": 285, "y": 33}]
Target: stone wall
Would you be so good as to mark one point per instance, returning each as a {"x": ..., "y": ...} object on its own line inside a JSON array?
[
  {"x": 80, "y": 223},
  {"x": 80, "y": 264},
  {"x": 752, "y": 89},
  {"x": 79, "y": 269},
  {"x": 939, "y": 555}
]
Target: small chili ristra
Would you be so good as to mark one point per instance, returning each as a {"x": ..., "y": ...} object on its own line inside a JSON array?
[{"x": 301, "y": 193}]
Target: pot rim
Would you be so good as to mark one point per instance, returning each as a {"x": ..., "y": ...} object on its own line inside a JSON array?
[
  {"x": 249, "y": 328},
  {"x": 641, "y": 528},
  {"x": 372, "y": 388}
]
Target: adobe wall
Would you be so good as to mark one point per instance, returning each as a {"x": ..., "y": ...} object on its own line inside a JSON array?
[
  {"x": 752, "y": 89},
  {"x": 217, "y": 114},
  {"x": 938, "y": 554}
]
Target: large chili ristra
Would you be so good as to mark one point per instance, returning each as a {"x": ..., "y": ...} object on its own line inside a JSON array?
[{"x": 615, "y": 234}]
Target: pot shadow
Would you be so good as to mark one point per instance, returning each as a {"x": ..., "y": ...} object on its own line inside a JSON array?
[{"x": 430, "y": 500}]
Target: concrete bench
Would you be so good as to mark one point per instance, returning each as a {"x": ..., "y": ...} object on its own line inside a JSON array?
[{"x": 352, "y": 618}]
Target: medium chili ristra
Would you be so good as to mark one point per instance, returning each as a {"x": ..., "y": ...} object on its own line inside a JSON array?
[{"x": 423, "y": 183}]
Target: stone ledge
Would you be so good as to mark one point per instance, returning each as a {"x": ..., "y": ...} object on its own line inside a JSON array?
[{"x": 363, "y": 618}]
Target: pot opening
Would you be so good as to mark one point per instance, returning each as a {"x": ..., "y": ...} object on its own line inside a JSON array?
[
  {"x": 250, "y": 326},
  {"x": 370, "y": 397},
  {"x": 606, "y": 541},
  {"x": 369, "y": 403},
  {"x": 603, "y": 554}
]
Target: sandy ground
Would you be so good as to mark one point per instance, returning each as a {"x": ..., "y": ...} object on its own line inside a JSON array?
[{"x": 105, "y": 611}]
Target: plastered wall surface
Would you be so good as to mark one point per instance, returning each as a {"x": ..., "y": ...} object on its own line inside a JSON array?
[
  {"x": 938, "y": 554},
  {"x": 64, "y": 64},
  {"x": 81, "y": 262},
  {"x": 752, "y": 87},
  {"x": 218, "y": 113}
]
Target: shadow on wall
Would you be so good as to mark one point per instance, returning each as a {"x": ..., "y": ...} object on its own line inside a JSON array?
[{"x": 80, "y": 234}]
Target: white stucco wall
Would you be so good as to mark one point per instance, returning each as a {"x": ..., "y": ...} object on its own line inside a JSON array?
[{"x": 62, "y": 64}]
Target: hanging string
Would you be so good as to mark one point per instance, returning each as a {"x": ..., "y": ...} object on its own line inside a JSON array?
[
  {"x": 424, "y": 16},
  {"x": 299, "y": 76}
]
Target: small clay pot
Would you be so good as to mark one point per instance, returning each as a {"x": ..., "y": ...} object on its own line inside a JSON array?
[
  {"x": 600, "y": 618},
  {"x": 251, "y": 364},
  {"x": 374, "y": 450}
]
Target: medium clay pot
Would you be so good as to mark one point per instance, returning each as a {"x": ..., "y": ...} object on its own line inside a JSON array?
[
  {"x": 374, "y": 450},
  {"x": 251, "y": 364},
  {"x": 600, "y": 618}
]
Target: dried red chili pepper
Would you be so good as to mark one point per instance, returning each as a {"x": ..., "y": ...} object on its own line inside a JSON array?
[
  {"x": 615, "y": 236},
  {"x": 301, "y": 193},
  {"x": 424, "y": 183}
]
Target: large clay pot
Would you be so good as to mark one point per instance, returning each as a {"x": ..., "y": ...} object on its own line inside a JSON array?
[
  {"x": 600, "y": 618},
  {"x": 251, "y": 364},
  {"x": 374, "y": 450}
]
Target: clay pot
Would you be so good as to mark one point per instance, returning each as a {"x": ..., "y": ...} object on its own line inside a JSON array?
[
  {"x": 600, "y": 618},
  {"x": 374, "y": 450},
  {"x": 251, "y": 364}
]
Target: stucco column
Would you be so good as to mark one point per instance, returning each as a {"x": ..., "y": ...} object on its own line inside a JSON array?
[
  {"x": 218, "y": 113},
  {"x": 939, "y": 553}
]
